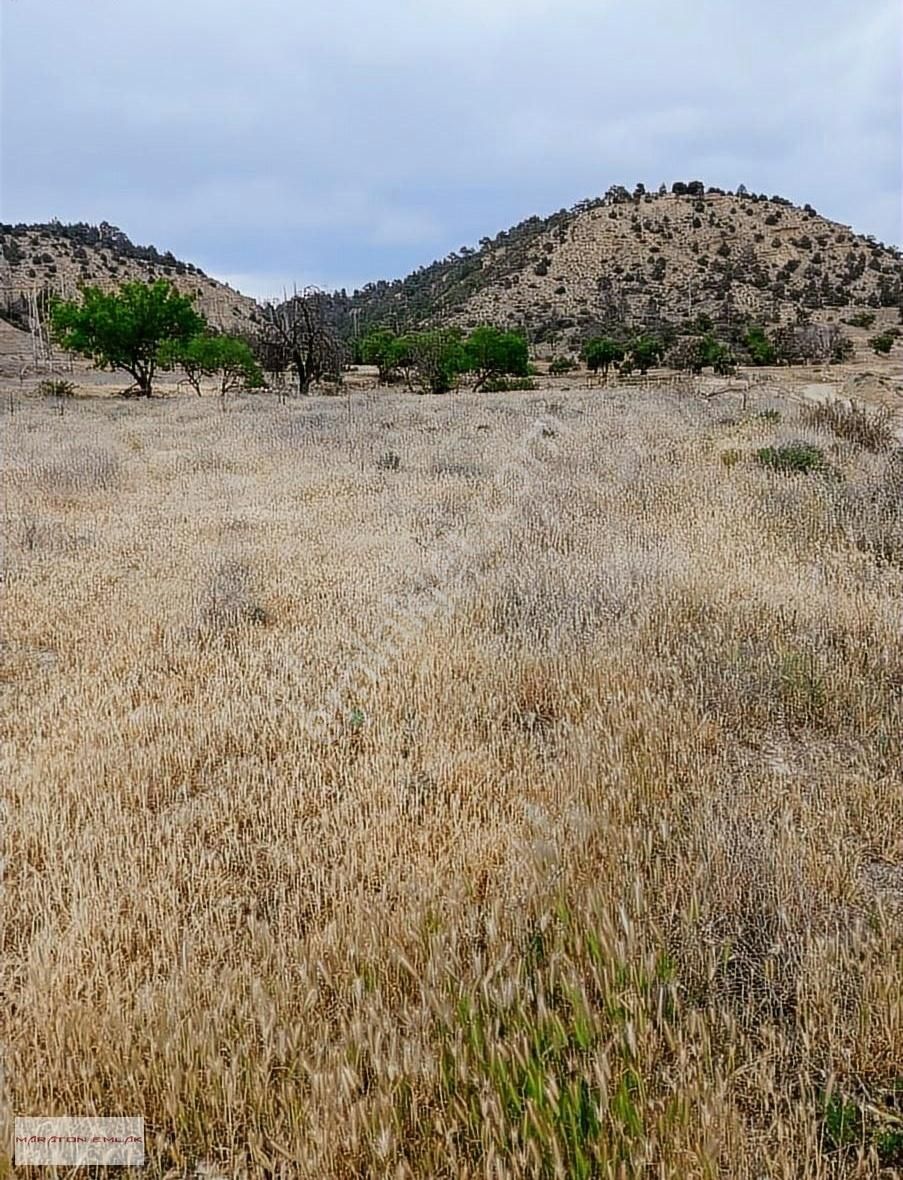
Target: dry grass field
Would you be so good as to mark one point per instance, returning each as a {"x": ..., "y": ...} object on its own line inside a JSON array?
[{"x": 484, "y": 786}]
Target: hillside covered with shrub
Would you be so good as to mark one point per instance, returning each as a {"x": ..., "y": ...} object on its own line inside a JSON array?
[
  {"x": 53, "y": 258},
  {"x": 647, "y": 259}
]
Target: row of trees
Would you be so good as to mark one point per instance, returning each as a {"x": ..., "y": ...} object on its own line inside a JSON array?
[
  {"x": 144, "y": 327},
  {"x": 435, "y": 360},
  {"x": 698, "y": 350},
  {"x": 638, "y": 353}
]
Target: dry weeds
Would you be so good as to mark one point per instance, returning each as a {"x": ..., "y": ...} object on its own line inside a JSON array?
[{"x": 596, "y": 875}]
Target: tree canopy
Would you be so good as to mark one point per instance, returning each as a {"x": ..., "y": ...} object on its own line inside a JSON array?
[
  {"x": 761, "y": 350},
  {"x": 438, "y": 358},
  {"x": 695, "y": 353},
  {"x": 601, "y": 352},
  {"x": 644, "y": 351},
  {"x": 208, "y": 355},
  {"x": 390, "y": 353},
  {"x": 434, "y": 360},
  {"x": 490, "y": 352},
  {"x": 126, "y": 329}
]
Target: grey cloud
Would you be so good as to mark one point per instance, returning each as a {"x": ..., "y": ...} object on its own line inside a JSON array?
[{"x": 355, "y": 139}]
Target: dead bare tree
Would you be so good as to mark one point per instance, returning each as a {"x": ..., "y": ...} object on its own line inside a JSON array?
[{"x": 298, "y": 333}]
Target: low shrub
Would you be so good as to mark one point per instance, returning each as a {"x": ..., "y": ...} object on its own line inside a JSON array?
[
  {"x": 562, "y": 364},
  {"x": 862, "y": 319},
  {"x": 882, "y": 343},
  {"x": 794, "y": 456},
  {"x": 864, "y": 427},
  {"x": 848, "y": 1122},
  {"x": 508, "y": 384},
  {"x": 56, "y": 388}
]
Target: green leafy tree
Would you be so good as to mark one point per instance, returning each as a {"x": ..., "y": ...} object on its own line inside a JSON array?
[
  {"x": 600, "y": 353},
  {"x": 644, "y": 351},
  {"x": 437, "y": 359},
  {"x": 126, "y": 329},
  {"x": 491, "y": 353},
  {"x": 383, "y": 348},
  {"x": 688, "y": 354},
  {"x": 760, "y": 348},
  {"x": 721, "y": 357},
  {"x": 209, "y": 356},
  {"x": 695, "y": 353}
]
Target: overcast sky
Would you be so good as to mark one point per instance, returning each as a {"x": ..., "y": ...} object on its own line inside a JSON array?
[{"x": 339, "y": 141}]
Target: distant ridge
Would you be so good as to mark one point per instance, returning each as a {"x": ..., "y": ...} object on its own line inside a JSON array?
[
  {"x": 644, "y": 258},
  {"x": 54, "y": 257},
  {"x": 634, "y": 258}
]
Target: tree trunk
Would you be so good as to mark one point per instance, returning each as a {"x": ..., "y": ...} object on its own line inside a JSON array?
[
  {"x": 143, "y": 379},
  {"x": 301, "y": 369}
]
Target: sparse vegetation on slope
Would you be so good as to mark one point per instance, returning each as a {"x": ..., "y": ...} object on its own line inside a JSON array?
[
  {"x": 644, "y": 261},
  {"x": 55, "y": 259}
]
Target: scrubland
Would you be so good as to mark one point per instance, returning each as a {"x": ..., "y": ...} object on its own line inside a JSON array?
[{"x": 480, "y": 786}]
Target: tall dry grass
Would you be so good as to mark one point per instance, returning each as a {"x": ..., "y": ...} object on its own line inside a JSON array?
[{"x": 598, "y": 869}]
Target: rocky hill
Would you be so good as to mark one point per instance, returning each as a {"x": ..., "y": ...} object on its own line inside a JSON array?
[
  {"x": 626, "y": 259},
  {"x": 57, "y": 258},
  {"x": 644, "y": 259}
]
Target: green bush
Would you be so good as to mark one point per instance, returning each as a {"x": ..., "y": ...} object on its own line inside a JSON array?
[
  {"x": 882, "y": 343},
  {"x": 207, "y": 355},
  {"x": 561, "y": 365},
  {"x": 381, "y": 347},
  {"x": 644, "y": 351},
  {"x": 794, "y": 456},
  {"x": 760, "y": 348},
  {"x": 862, "y": 319},
  {"x": 721, "y": 358},
  {"x": 508, "y": 384}
]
